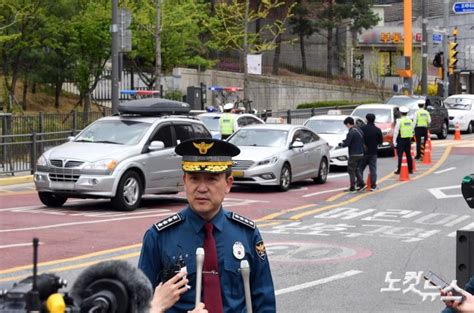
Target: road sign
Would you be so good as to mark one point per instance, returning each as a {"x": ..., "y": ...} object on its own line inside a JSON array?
[
  {"x": 463, "y": 7},
  {"x": 437, "y": 38}
]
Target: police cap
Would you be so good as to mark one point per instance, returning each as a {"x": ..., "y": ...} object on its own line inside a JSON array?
[
  {"x": 404, "y": 110},
  {"x": 206, "y": 155}
]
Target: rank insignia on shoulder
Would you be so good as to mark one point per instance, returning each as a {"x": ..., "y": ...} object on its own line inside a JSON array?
[
  {"x": 171, "y": 220},
  {"x": 261, "y": 251},
  {"x": 243, "y": 220}
]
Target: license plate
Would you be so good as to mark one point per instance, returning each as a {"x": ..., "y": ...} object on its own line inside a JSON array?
[
  {"x": 238, "y": 173},
  {"x": 63, "y": 185}
]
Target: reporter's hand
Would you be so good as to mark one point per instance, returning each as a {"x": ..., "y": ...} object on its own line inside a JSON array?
[
  {"x": 466, "y": 306},
  {"x": 199, "y": 309},
  {"x": 167, "y": 294}
]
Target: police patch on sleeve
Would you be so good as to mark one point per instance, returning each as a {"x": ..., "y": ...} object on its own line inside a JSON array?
[
  {"x": 167, "y": 222},
  {"x": 260, "y": 249}
]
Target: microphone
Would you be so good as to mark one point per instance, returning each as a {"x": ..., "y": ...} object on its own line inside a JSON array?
[
  {"x": 199, "y": 264},
  {"x": 245, "y": 272},
  {"x": 113, "y": 286}
]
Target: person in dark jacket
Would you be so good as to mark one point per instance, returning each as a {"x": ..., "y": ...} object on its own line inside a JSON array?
[
  {"x": 355, "y": 143},
  {"x": 372, "y": 138},
  {"x": 460, "y": 307}
]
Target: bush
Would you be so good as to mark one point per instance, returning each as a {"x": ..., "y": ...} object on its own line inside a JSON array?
[{"x": 174, "y": 95}]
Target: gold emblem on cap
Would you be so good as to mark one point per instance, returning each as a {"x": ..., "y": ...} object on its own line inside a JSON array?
[{"x": 203, "y": 147}]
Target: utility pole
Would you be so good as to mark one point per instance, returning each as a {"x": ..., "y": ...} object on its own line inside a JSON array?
[
  {"x": 445, "y": 48},
  {"x": 407, "y": 45},
  {"x": 114, "y": 29},
  {"x": 424, "y": 48}
]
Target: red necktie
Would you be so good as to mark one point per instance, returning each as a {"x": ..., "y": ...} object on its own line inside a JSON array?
[{"x": 211, "y": 281}]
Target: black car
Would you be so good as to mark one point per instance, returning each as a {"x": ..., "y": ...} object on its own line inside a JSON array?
[{"x": 439, "y": 114}]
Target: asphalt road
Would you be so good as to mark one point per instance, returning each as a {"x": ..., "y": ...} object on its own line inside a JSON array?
[{"x": 329, "y": 251}]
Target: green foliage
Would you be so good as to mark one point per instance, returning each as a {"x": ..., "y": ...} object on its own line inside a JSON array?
[
  {"x": 181, "y": 34},
  {"x": 331, "y": 103},
  {"x": 174, "y": 95},
  {"x": 229, "y": 23}
]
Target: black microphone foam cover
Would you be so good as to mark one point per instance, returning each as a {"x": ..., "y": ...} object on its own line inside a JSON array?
[{"x": 138, "y": 286}]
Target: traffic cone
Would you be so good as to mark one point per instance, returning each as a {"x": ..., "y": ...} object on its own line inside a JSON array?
[
  {"x": 413, "y": 162},
  {"x": 404, "y": 175},
  {"x": 369, "y": 183},
  {"x": 427, "y": 154},
  {"x": 457, "y": 132},
  {"x": 428, "y": 141}
]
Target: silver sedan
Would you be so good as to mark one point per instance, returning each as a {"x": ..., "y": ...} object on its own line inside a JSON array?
[{"x": 277, "y": 155}]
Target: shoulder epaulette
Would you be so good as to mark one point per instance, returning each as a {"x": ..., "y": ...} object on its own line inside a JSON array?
[
  {"x": 243, "y": 220},
  {"x": 167, "y": 222}
]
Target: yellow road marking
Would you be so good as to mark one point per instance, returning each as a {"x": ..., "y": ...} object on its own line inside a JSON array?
[{"x": 273, "y": 215}]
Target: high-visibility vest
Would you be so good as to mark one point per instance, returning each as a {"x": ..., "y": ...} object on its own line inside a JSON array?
[
  {"x": 226, "y": 124},
  {"x": 406, "y": 127},
  {"x": 422, "y": 118}
]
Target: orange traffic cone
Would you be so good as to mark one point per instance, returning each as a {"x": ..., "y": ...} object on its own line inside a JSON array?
[
  {"x": 413, "y": 162},
  {"x": 404, "y": 176},
  {"x": 369, "y": 183},
  {"x": 427, "y": 153},
  {"x": 428, "y": 141},
  {"x": 457, "y": 132}
]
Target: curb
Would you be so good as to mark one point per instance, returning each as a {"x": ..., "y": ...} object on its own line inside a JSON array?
[{"x": 16, "y": 180}]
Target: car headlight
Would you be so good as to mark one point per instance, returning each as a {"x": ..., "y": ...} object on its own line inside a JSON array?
[
  {"x": 107, "y": 164},
  {"x": 271, "y": 160},
  {"x": 42, "y": 161},
  {"x": 386, "y": 131}
]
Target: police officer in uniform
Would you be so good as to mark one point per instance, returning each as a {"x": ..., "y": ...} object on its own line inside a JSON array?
[
  {"x": 226, "y": 121},
  {"x": 227, "y": 237},
  {"x": 402, "y": 136},
  {"x": 422, "y": 121}
]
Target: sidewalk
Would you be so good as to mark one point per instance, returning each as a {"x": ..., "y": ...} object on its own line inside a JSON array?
[{"x": 20, "y": 178}]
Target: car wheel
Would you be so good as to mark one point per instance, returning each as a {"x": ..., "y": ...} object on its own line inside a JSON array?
[
  {"x": 52, "y": 199},
  {"x": 444, "y": 131},
  {"x": 323, "y": 172},
  {"x": 129, "y": 192},
  {"x": 285, "y": 178},
  {"x": 469, "y": 128}
]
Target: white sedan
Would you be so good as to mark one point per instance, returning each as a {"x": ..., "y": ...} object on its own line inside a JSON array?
[
  {"x": 332, "y": 129},
  {"x": 279, "y": 154},
  {"x": 211, "y": 120}
]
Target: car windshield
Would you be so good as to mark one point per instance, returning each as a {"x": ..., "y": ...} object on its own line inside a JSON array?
[
  {"x": 260, "y": 137},
  {"x": 458, "y": 103},
  {"x": 327, "y": 126},
  {"x": 119, "y": 132},
  {"x": 381, "y": 115},
  {"x": 211, "y": 122},
  {"x": 410, "y": 103}
]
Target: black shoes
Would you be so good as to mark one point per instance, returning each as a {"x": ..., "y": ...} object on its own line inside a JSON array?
[{"x": 361, "y": 188}]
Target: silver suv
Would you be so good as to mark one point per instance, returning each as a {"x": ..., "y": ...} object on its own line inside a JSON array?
[{"x": 119, "y": 157}]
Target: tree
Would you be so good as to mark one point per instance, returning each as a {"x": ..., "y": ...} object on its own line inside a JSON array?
[
  {"x": 328, "y": 15},
  {"x": 230, "y": 29},
  {"x": 91, "y": 45},
  {"x": 177, "y": 38},
  {"x": 301, "y": 26},
  {"x": 24, "y": 19},
  {"x": 377, "y": 69}
]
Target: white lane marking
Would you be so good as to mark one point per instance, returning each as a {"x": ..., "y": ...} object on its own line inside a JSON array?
[
  {"x": 445, "y": 170},
  {"x": 317, "y": 282},
  {"x": 337, "y": 175},
  {"x": 16, "y": 245},
  {"x": 322, "y": 192},
  {"x": 439, "y": 194},
  {"x": 80, "y": 223}
]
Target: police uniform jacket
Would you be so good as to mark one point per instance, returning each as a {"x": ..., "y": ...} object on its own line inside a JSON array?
[{"x": 164, "y": 243}]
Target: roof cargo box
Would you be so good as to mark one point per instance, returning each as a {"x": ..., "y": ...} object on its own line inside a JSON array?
[{"x": 153, "y": 106}]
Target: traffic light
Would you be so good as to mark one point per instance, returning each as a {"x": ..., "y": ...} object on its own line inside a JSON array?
[{"x": 453, "y": 53}]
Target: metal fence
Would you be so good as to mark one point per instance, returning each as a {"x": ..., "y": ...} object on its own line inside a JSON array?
[{"x": 25, "y": 138}]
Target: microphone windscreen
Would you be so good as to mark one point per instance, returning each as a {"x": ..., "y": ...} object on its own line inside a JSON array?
[{"x": 138, "y": 286}]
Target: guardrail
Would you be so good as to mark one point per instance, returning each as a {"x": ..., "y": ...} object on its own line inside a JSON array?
[{"x": 19, "y": 152}]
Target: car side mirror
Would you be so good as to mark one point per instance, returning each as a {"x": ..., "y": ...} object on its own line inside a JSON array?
[
  {"x": 297, "y": 144},
  {"x": 70, "y": 138},
  {"x": 156, "y": 145}
]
